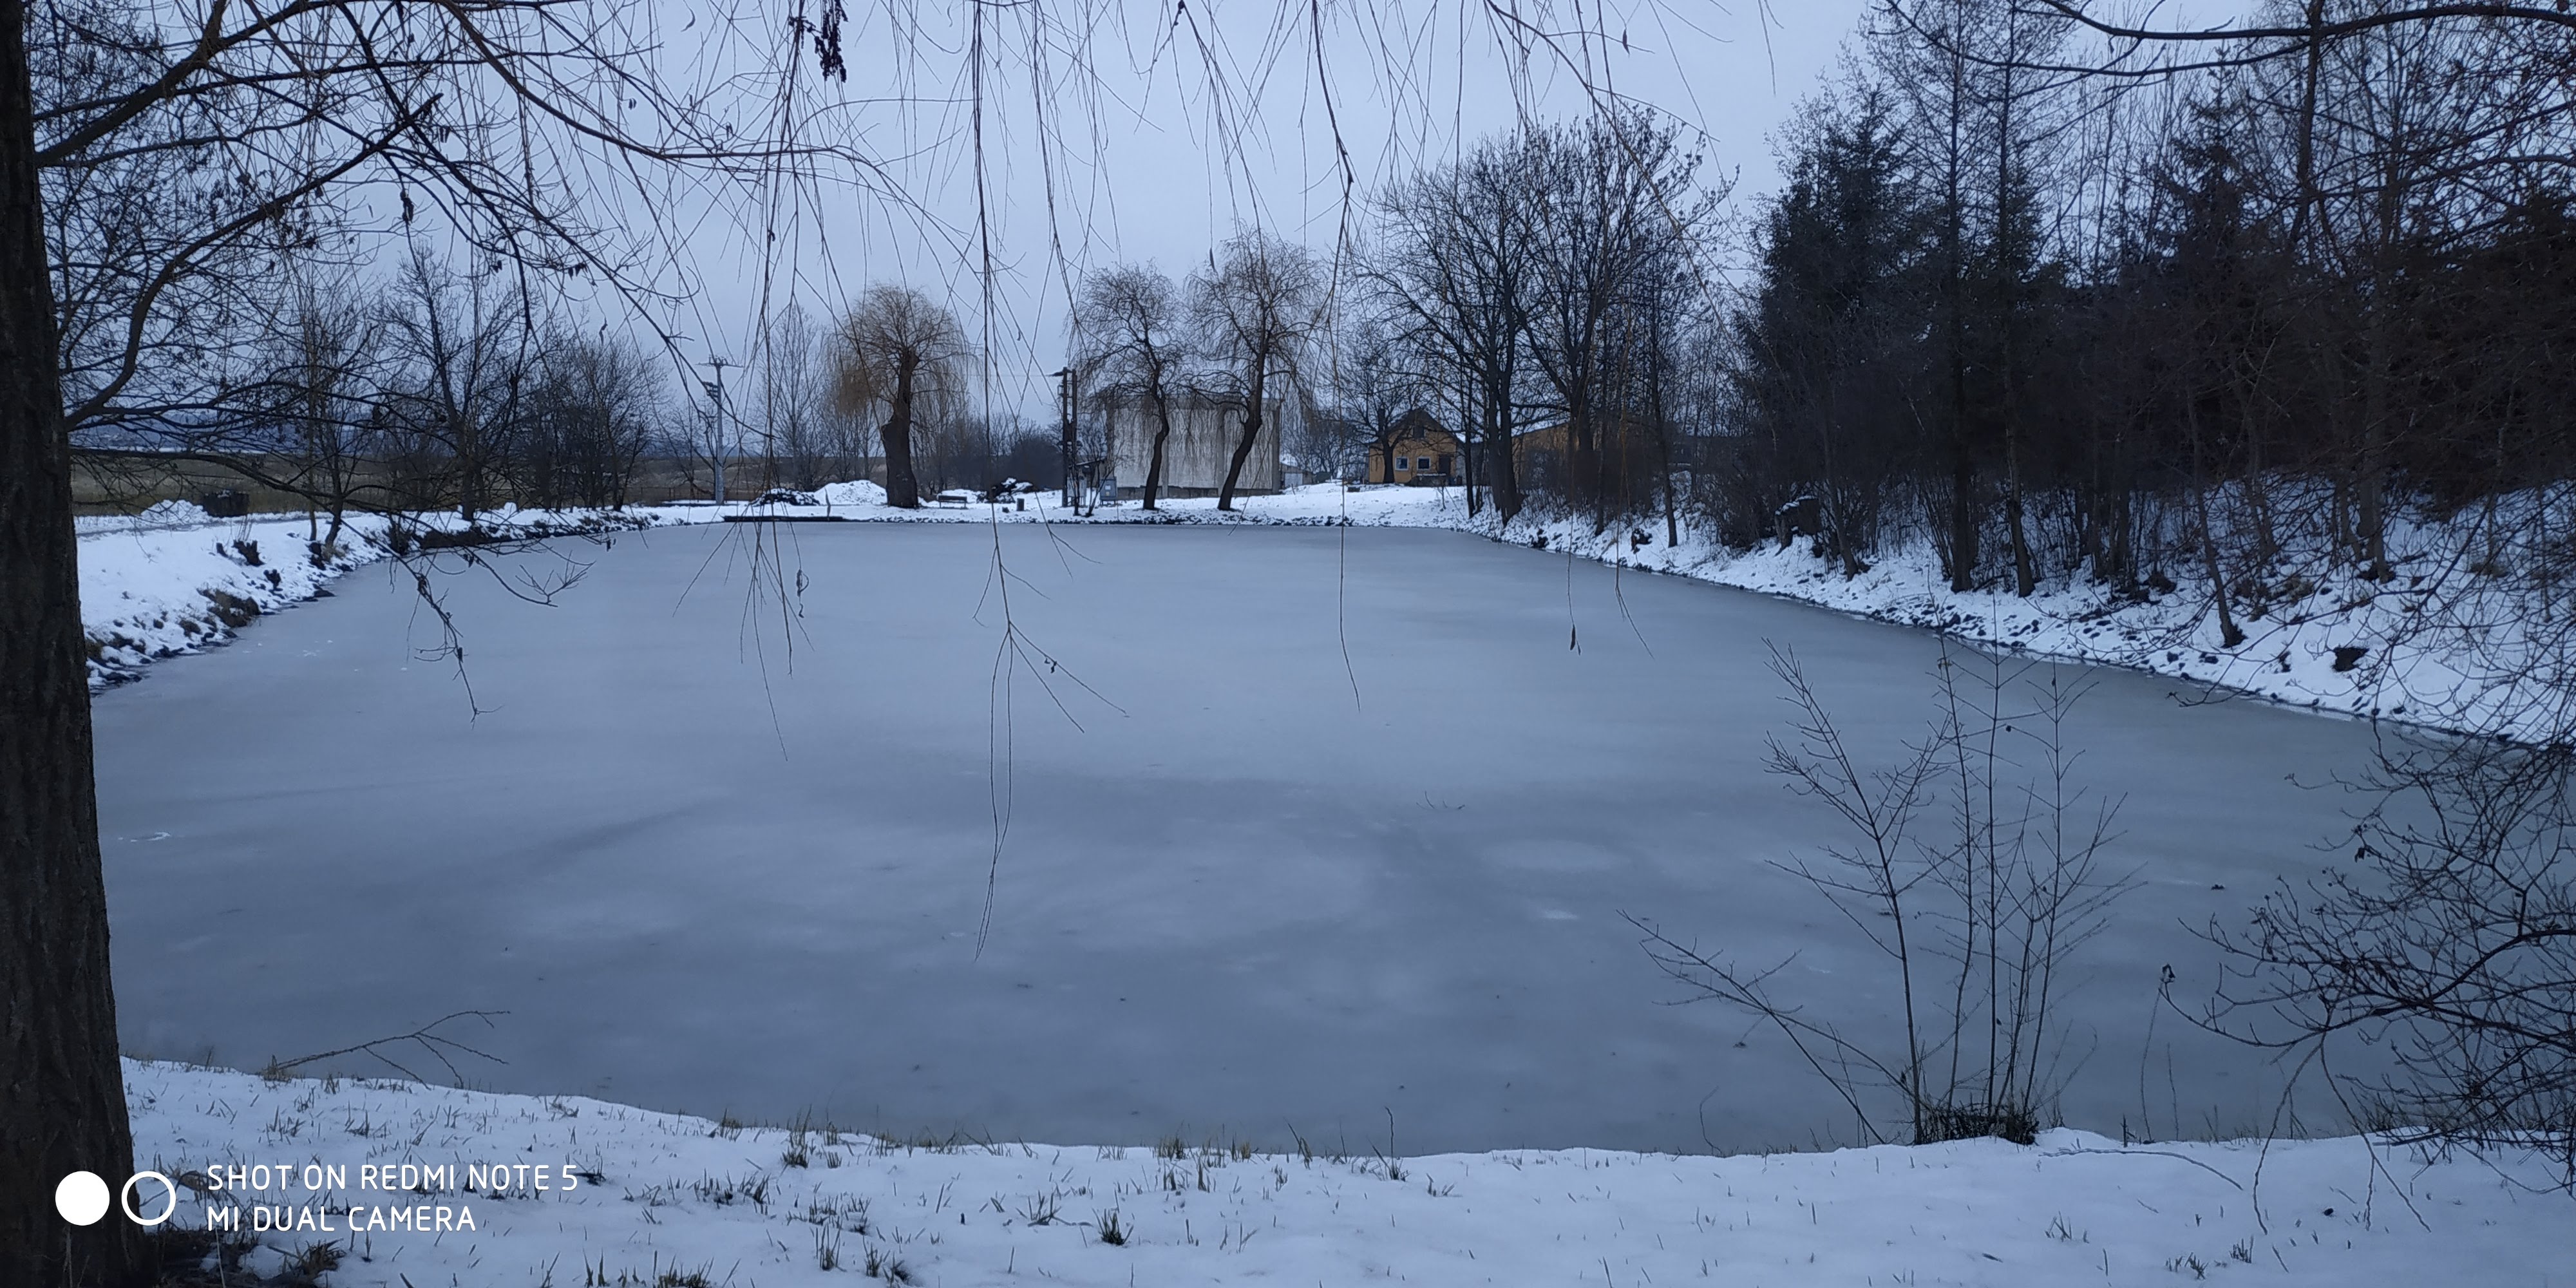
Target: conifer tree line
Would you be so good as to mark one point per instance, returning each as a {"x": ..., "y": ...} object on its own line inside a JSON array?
[{"x": 2188, "y": 328}]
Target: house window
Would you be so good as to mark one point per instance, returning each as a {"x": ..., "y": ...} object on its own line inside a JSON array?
[{"x": 1404, "y": 462}]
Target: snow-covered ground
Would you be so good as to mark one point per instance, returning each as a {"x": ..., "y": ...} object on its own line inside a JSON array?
[
  {"x": 659, "y": 1199},
  {"x": 173, "y": 580}
]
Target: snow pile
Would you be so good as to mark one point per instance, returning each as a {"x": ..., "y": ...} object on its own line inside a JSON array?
[
  {"x": 654, "y": 1194},
  {"x": 858, "y": 493}
]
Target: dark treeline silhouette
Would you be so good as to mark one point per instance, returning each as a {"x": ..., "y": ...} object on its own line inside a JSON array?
[
  {"x": 1540, "y": 291},
  {"x": 2219, "y": 329},
  {"x": 2160, "y": 333}
]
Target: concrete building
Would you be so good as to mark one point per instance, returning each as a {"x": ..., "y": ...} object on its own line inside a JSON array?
[{"x": 1204, "y": 433}]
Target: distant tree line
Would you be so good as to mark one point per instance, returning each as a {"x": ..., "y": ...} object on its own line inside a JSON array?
[
  {"x": 2166, "y": 331},
  {"x": 1545, "y": 279},
  {"x": 2056, "y": 307},
  {"x": 435, "y": 386}
]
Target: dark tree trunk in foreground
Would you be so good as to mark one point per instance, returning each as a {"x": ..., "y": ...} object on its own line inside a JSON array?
[{"x": 62, "y": 1093}]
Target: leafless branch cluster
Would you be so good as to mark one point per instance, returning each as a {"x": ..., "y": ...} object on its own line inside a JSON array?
[
  {"x": 1976, "y": 866},
  {"x": 2445, "y": 941}
]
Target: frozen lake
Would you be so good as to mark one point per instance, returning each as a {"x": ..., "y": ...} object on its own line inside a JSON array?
[{"x": 702, "y": 872}]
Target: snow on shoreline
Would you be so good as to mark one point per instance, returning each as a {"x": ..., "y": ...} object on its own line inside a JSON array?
[
  {"x": 660, "y": 1193},
  {"x": 2442, "y": 647},
  {"x": 173, "y": 580},
  {"x": 166, "y": 583},
  {"x": 663, "y": 1197}
]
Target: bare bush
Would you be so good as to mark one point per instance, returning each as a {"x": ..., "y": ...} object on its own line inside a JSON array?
[
  {"x": 1974, "y": 916},
  {"x": 2447, "y": 942}
]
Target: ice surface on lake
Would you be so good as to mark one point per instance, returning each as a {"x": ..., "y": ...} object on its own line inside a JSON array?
[{"x": 715, "y": 859}]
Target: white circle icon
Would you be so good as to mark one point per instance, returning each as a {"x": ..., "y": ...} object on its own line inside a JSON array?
[
  {"x": 81, "y": 1198},
  {"x": 171, "y": 1194}
]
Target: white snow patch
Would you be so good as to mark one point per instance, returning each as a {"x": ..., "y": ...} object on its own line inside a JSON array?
[
  {"x": 171, "y": 580},
  {"x": 654, "y": 1193}
]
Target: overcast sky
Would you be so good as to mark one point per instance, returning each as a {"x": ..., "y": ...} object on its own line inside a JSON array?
[{"x": 1168, "y": 135}]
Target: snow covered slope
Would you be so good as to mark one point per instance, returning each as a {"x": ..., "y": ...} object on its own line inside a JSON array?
[
  {"x": 655, "y": 1195},
  {"x": 173, "y": 580}
]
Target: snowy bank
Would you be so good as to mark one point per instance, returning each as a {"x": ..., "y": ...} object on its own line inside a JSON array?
[
  {"x": 173, "y": 580},
  {"x": 2445, "y": 645},
  {"x": 630, "y": 1197}
]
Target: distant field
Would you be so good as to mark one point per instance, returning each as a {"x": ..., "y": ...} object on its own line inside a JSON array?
[{"x": 125, "y": 485}]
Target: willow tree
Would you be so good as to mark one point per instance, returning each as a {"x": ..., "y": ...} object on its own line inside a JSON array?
[
  {"x": 1256, "y": 306},
  {"x": 1128, "y": 333},
  {"x": 901, "y": 350}
]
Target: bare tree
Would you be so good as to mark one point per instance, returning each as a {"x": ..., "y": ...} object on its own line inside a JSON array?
[
  {"x": 1458, "y": 269},
  {"x": 1612, "y": 197},
  {"x": 900, "y": 349},
  {"x": 1375, "y": 379},
  {"x": 1128, "y": 334},
  {"x": 799, "y": 429},
  {"x": 1256, "y": 307},
  {"x": 468, "y": 350},
  {"x": 591, "y": 415},
  {"x": 321, "y": 385}
]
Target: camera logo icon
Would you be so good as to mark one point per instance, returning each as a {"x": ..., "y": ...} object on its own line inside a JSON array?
[{"x": 83, "y": 1198}]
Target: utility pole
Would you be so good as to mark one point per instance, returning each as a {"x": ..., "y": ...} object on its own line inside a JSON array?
[
  {"x": 718, "y": 447},
  {"x": 1064, "y": 398}
]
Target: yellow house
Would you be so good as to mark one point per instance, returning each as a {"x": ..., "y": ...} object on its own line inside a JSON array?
[{"x": 1418, "y": 450}]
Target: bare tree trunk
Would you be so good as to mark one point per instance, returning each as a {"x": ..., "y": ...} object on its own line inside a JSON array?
[
  {"x": 1963, "y": 515},
  {"x": 2228, "y": 635},
  {"x": 2370, "y": 481},
  {"x": 1162, "y": 435},
  {"x": 62, "y": 1092},
  {"x": 1664, "y": 459},
  {"x": 903, "y": 490},
  {"x": 469, "y": 469},
  {"x": 1243, "y": 445},
  {"x": 2025, "y": 574},
  {"x": 2258, "y": 498},
  {"x": 1505, "y": 477}
]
